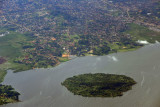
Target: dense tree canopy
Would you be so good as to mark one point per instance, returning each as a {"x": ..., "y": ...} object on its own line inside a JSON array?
[{"x": 99, "y": 85}]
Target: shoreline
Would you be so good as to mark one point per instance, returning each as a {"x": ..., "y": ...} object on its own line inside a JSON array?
[
  {"x": 74, "y": 56},
  {"x": 129, "y": 64},
  {"x": 119, "y": 51}
]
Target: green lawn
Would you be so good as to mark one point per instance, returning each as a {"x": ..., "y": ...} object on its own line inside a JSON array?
[
  {"x": 2, "y": 75},
  {"x": 61, "y": 59},
  {"x": 11, "y": 44},
  {"x": 139, "y": 32}
]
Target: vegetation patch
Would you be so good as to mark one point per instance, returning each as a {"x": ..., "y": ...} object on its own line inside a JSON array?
[
  {"x": 2, "y": 60},
  {"x": 139, "y": 32},
  {"x": 8, "y": 95},
  {"x": 2, "y": 75},
  {"x": 99, "y": 85}
]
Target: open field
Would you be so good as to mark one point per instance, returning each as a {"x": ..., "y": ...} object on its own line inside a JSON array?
[{"x": 139, "y": 32}]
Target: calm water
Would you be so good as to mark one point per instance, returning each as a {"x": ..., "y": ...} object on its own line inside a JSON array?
[{"x": 42, "y": 87}]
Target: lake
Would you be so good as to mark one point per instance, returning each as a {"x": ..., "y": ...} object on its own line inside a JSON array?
[{"x": 42, "y": 87}]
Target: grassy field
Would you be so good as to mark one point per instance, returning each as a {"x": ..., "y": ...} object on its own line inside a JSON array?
[
  {"x": 11, "y": 44},
  {"x": 61, "y": 59},
  {"x": 139, "y": 32},
  {"x": 19, "y": 67},
  {"x": 11, "y": 47},
  {"x": 2, "y": 75}
]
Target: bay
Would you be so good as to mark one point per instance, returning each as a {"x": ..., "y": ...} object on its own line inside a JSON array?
[{"x": 42, "y": 87}]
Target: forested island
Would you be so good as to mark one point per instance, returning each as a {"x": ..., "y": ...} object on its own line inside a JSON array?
[
  {"x": 99, "y": 85},
  {"x": 8, "y": 95}
]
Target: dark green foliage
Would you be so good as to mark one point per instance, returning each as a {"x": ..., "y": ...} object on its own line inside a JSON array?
[
  {"x": 103, "y": 50},
  {"x": 99, "y": 85},
  {"x": 7, "y": 94}
]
